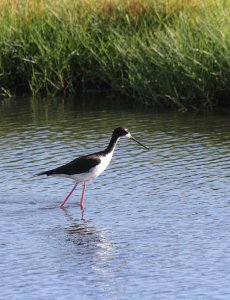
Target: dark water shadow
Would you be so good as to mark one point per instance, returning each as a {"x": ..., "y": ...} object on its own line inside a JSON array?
[{"x": 48, "y": 207}]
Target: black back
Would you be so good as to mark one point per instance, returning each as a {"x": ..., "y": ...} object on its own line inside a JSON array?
[{"x": 77, "y": 166}]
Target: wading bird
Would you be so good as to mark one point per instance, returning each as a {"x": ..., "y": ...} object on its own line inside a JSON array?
[{"x": 90, "y": 166}]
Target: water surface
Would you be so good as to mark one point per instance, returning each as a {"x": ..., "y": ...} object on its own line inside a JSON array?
[{"x": 156, "y": 223}]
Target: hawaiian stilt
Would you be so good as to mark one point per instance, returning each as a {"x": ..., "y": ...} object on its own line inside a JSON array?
[{"x": 90, "y": 166}]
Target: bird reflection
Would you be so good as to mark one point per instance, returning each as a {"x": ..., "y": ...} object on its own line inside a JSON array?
[
  {"x": 81, "y": 232},
  {"x": 71, "y": 218},
  {"x": 93, "y": 249}
]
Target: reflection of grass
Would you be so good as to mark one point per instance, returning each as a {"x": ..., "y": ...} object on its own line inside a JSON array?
[{"x": 159, "y": 52}]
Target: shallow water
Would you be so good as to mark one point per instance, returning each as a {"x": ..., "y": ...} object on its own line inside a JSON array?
[{"x": 156, "y": 223}]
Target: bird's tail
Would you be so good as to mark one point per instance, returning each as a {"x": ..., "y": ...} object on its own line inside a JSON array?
[{"x": 43, "y": 173}]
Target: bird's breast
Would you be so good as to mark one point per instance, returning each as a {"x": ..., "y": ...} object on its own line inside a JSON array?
[{"x": 98, "y": 169}]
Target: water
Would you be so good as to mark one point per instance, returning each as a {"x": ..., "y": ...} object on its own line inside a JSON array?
[{"x": 156, "y": 224}]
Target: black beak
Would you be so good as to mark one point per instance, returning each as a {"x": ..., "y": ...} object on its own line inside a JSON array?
[{"x": 132, "y": 138}]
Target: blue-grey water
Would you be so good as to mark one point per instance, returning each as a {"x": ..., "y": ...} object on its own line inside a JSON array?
[{"x": 156, "y": 223}]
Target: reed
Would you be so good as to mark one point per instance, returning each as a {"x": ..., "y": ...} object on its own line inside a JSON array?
[{"x": 162, "y": 53}]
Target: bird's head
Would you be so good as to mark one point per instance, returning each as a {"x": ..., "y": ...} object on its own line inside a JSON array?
[{"x": 121, "y": 131}]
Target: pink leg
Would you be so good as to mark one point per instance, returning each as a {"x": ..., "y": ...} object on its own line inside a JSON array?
[
  {"x": 64, "y": 202},
  {"x": 83, "y": 196}
]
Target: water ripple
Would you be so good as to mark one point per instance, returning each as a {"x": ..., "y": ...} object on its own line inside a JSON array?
[{"x": 156, "y": 223}]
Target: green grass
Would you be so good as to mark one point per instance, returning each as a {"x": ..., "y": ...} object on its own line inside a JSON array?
[{"x": 162, "y": 53}]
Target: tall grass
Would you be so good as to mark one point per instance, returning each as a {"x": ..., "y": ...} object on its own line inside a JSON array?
[{"x": 164, "y": 53}]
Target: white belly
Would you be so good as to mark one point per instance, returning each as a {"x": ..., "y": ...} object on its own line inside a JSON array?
[{"x": 92, "y": 173}]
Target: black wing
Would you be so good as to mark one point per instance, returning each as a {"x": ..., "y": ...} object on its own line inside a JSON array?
[{"x": 77, "y": 166}]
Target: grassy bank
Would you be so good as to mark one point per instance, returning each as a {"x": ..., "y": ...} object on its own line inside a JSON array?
[{"x": 163, "y": 53}]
